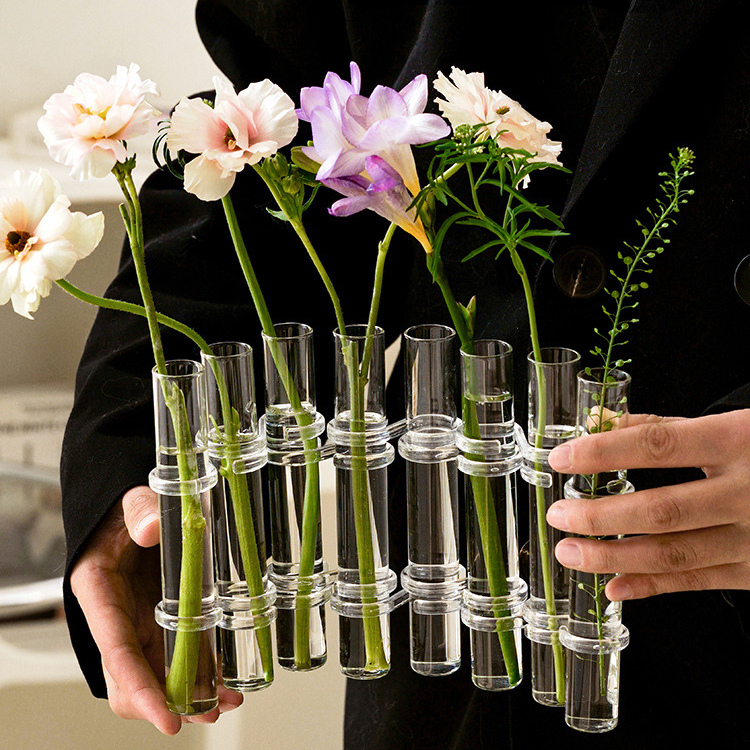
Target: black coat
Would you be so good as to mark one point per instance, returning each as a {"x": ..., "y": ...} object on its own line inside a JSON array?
[{"x": 637, "y": 82}]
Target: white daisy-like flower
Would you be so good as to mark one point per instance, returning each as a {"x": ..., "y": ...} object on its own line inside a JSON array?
[{"x": 41, "y": 239}]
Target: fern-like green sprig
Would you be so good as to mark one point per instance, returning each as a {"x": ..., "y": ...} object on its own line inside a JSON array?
[{"x": 637, "y": 258}]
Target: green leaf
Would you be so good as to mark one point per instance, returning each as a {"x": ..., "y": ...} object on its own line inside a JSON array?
[{"x": 481, "y": 249}]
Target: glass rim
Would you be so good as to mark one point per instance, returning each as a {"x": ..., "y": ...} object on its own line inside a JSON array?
[
  {"x": 196, "y": 369},
  {"x": 448, "y": 332},
  {"x": 570, "y": 360},
  {"x": 352, "y": 336},
  {"x": 621, "y": 376},
  {"x": 305, "y": 331},
  {"x": 506, "y": 350},
  {"x": 243, "y": 350}
]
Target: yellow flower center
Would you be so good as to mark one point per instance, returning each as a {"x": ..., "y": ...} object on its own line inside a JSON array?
[
  {"x": 17, "y": 242},
  {"x": 86, "y": 111},
  {"x": 229, "y": 140}
]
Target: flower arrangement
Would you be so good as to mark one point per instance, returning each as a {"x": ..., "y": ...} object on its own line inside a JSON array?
[{"x": 362, "y": 149}]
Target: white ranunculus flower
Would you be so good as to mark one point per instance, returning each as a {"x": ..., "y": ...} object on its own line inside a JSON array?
[
  {"x": 87, "y": 125},
  {"x": 240, "y": 129},
  {"x": 41, "y": 238},
  {"x": 469, "y": 102}
]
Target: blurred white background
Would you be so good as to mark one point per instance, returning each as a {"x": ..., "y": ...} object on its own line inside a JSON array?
[{"x": 43, "y": 701}]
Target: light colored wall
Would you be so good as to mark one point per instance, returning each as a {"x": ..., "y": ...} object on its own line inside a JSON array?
[{"x": 46, "y": 43}]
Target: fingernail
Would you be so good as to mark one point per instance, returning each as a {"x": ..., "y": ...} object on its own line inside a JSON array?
[
  {"x": 561, "y": 458},
  {"x": 557, "y": 516},
  {"x": 568, "y": 553}
]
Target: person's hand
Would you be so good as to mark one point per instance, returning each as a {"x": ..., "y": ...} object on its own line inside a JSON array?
[
  {"x": 117, "y": 583},
  {"x": 690, "y": 536}
]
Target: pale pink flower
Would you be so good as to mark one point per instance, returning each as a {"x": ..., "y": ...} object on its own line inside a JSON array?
[
  {"x": 41, "y": 238},
  {"x": 468, "y": 102},
  {"x": 87, "y": 125},
  {"x": 240, "y": 129}
]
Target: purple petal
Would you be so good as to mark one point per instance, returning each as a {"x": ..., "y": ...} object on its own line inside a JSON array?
[
  {"x": 349, "y": 206},
  {"x": 384, "y": 103},
  {"x": 356, "y": 107},
  {"x": 426, "y": 128},
  {"x": 415, "y": 95},
  {"x": 310, "y": 98},
  {"x": 352, "y": 127},
  {"x": 326, "y": 131},
  {"x": 347, "y": 164},
  {"x": 385, "y": 134},
  {"x": 337, "y": 89},
  {"x": 356, "y": 76},
  {"x": 350, "y": 186},
  {"x": 384, "y": 176}
]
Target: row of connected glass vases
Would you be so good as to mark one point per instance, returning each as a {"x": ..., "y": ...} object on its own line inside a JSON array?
[{"x": 488, "y": 595}]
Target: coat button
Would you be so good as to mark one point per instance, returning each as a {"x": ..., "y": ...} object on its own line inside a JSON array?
[
  {"x": 742, "y": 279},
  {"x": 579, "y": 272}
]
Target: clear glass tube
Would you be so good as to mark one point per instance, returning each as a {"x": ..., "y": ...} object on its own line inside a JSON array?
[
  {"x": 595, "y": 634},
  {"x": 238, "y": 451},
  {"x": 552, "y": 420},
  {"x": 495, "y": 592},
  {"x": 433, "y": 575},
  {"x": 182, "y": 480},
  {"x": 359, "y": 430},
  {"x": 293, "y": 427}
]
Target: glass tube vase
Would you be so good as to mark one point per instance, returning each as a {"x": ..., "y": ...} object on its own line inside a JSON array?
[
  {"x": 182, "y": 479},
  {"x": 552, "y": 420},
  {"x": 489, "y": 459},
  {"x": 594, "y": 635},
  {"x": 434, "y": 576},
  {"x": 359, "y": 430},
  {"x": 293, "y": 428},
  {"x": 237, "y": 449}
]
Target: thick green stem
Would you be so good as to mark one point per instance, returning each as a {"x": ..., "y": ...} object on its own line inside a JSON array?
[
  {"x": 358, "y": 375},
  {"x": 492, "y": 551},
  {"x": 183, "y": 669},
  {"x": 311, "y": 502}
]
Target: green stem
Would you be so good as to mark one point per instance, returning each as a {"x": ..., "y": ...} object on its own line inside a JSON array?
[
  {"x": 492, "y": 551},
  {"x": 311, "y": 501},
  {"x": 237, "y": 484},
  {"x": 541, "y": 507},
  {"x": 183, "y": 669},
  {"x": 358, "y": 375}
]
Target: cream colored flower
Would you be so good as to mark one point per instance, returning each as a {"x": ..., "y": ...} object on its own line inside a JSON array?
[
  {"x": 469, "y": 102},
  {"x": 240, "y": 129},
  {"x": 602, "y": 419},
  {"x": 41, "y": 239},
  {"x": 87, "y": 125}
]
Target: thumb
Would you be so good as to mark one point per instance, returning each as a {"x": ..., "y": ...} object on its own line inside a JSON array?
[{"x": 141, "y": 511}]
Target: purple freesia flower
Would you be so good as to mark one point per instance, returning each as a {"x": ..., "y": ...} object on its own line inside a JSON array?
[
  {"x": 380, "y": 189},
  {"x": 363, "y": 144}
]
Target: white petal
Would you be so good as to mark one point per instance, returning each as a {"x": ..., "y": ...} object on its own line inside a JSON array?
[
  {"x": 85, "y": 232},
  {"x": 54, "y": 261},
  {"x": 55, "y": 222},
  {"x": 96, "y": 163},
  {"x": 204, "y": 179},
  {"x": 25, "y": 303},
  {"x": 195, "y": 127}
]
